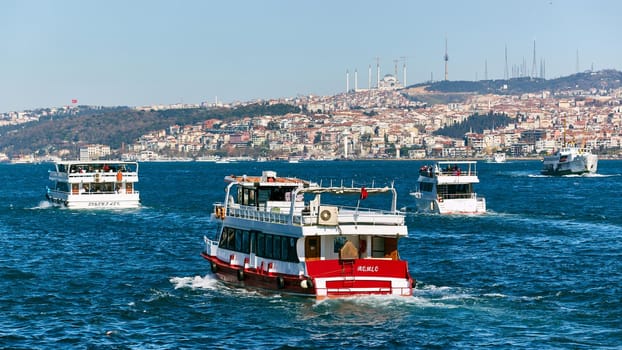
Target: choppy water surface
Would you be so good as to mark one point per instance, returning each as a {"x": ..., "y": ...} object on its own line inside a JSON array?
[{"x": 542, "y": 269}]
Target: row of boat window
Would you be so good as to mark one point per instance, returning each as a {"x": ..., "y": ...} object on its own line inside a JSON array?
[{"x": 264, "y": 245}]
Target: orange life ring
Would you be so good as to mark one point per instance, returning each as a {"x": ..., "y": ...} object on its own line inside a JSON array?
[{"x": 119, "y": 176}]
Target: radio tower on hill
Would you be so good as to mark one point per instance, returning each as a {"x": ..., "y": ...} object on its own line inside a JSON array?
[
  {"x": 506, "y": 75},
  {"x": 446, "y": 57},
  {"x": 533, "y": 64}
]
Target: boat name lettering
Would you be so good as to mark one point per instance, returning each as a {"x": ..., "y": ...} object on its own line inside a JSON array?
[
  {"x": 368, "y": 268},
  {"x": 104, "y": 204}
]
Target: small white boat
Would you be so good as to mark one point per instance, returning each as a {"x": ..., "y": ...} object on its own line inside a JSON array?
[
  {"x": 446, "y": 187},
  {"x": 94, "y": 184},
  {"x": 499, "y": 157},
  {"x": 279, "y": 234},
  {"x": 570, "y": 161}
]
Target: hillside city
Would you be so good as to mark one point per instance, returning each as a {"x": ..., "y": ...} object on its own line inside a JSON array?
[{"x": 385, "y": 122}]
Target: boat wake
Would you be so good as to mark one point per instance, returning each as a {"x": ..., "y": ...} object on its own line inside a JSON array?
[
  {"x": 197, "y": 282},
  {"x": 43, "y": 205}
]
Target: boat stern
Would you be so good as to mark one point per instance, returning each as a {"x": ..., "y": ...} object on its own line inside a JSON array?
[{"x": 360, "y": 277}]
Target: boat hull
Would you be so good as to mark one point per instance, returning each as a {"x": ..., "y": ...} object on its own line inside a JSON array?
[
  {"x": 327, "y": 278},
  {"x": 579, "y": 165},
  {"x": 452, "y": 206},
  {"x": 103, "y": 201}
]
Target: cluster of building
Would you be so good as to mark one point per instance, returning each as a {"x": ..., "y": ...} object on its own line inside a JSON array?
[{"x": 390, "y": 123}]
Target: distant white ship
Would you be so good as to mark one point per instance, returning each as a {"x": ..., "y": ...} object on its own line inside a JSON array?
[
  {"x": 570, "y": 161},
  {"x": 447, "y": 188}
]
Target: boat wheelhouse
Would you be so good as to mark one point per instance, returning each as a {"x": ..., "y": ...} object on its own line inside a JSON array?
[
  {"x": 446, "y": 187},
  {"x": 570, "y": 160},
  {"x": 94, "y": 184},
  {"x": 281, "y": 234}
]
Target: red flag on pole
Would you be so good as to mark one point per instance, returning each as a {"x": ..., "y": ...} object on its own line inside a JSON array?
[
  {"x": 363, "y": 192},
  {"x": 74, "y": 101}
]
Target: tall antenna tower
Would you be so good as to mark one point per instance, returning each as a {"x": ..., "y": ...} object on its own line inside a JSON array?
[
  {"x": 506, "y": 73},
  {"x": 533, "y": 63},
  {"x": 446, "y": 57}
]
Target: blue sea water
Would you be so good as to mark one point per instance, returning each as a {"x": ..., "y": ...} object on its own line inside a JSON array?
[{"x": 541, "y": 270}]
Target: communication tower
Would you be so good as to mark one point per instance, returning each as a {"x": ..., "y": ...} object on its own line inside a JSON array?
[{"x": 446, "y": 57}]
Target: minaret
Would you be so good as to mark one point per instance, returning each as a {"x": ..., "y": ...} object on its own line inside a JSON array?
[
  {"x": 446, "y": 61},
  {"x": 404, "y": 72},
  {"x": 347, "y": 81}
]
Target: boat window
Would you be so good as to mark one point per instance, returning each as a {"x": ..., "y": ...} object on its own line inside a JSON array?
[
  {"x": 246, "y": 244},
  {"x": 269, "y": 246},
  {"x": 263, "y": 196},
  {"x": 292, "y": 254},
  {"x": 230, "y": 238},
  {"x": 251, "y": 197},
  {"x": 253, "y": 242},
  {"x": 223, "y": 238},
  {"x": 285, "y": 249},
  {"x": 426, "y": 187},
  {"x": 261, "y": 244},
  {"x": 278, "y": 194},
  {"x": 276, "y": 252},
  {"x": 238, "y": 240}
]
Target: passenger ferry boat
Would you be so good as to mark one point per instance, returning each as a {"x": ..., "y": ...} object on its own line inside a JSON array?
[
  {"x": 570, "y": 160},
  {"x": 94, "y": 184},
  {"x": 280, "y": 234},
  {"x": 447, "y": 188}
]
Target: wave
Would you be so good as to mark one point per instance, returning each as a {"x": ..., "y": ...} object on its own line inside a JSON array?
[{"x": 197, "y": 282}]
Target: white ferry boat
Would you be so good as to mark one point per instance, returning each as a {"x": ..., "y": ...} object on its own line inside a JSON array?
[
  {"x": 497, "y": 157},
  {"x": 279, "y": 234},
  {"x": 94, "y": 184},
  {"x": 570, "y": 161},
  {"x": 446, "y": 187}
]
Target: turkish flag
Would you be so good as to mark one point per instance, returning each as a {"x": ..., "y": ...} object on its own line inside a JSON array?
[
  {"x": 363, "y": 192},
  {"x": 74, "y": 101}
]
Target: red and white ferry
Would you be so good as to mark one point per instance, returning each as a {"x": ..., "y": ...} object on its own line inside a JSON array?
[{"x": 278, "y": 234}]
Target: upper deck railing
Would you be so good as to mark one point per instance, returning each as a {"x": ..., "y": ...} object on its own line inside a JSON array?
[
  {"x": 94, "y": 176},
  {"x": 307, "y": 217}
]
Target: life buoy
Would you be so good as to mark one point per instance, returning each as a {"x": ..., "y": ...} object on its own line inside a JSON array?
[
  {"x": 325, "y": 215},
  {"x": 119, "y": 176},
  {"x": 222, "y": 213},
  {"x": 240, "y": 275},
  {"x": 213, "y": 267},
  {"x": 280, "y": 282}
]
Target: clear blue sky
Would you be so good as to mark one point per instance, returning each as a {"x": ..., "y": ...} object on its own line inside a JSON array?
[{"x": 141, "y": 52}]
